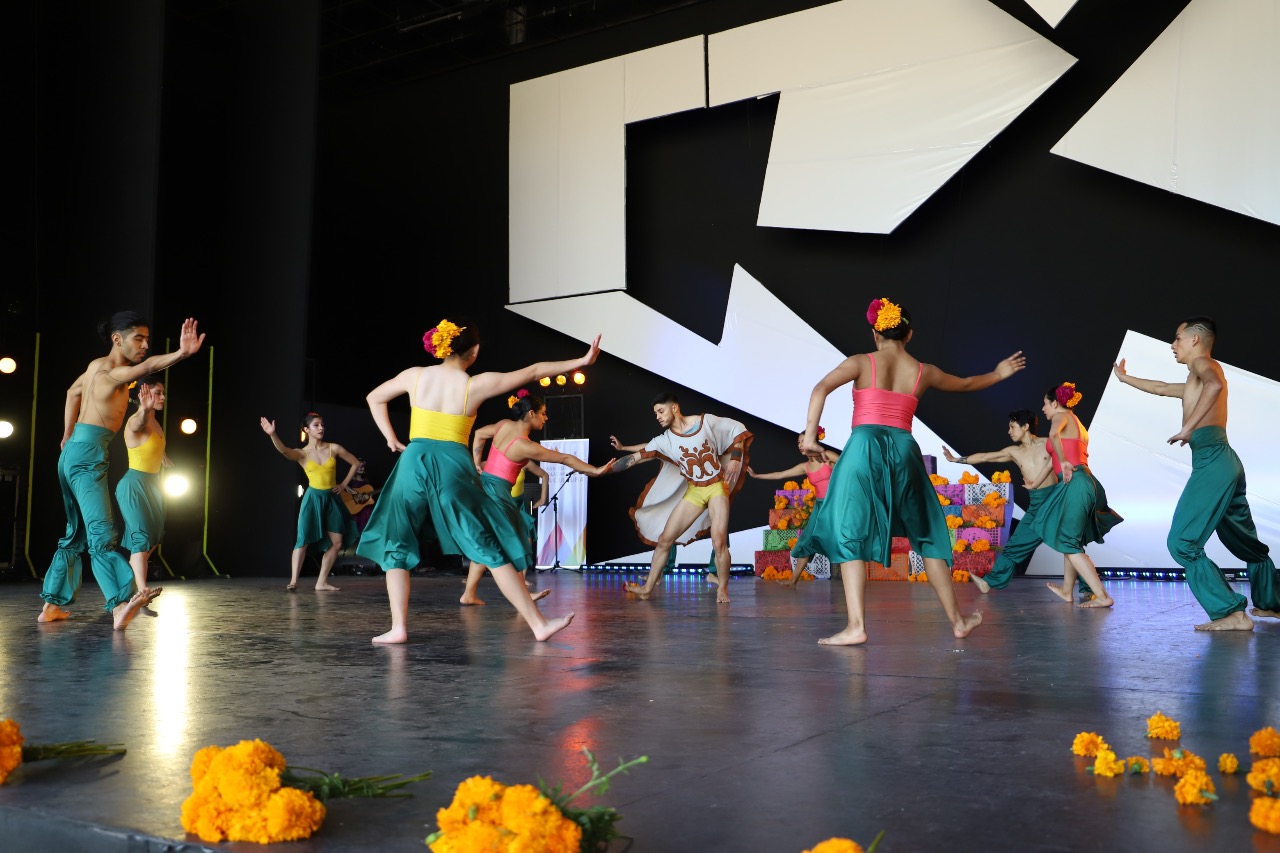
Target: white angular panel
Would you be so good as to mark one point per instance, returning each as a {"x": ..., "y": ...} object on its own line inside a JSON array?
[
  {"x": 1053, "y": 11},
  {"x": 1197, "y": 113}
]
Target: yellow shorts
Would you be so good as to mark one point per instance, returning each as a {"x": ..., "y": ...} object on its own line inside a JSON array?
[{"x": 701, "y": 495}]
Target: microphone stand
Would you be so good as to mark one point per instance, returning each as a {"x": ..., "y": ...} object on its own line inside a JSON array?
[{"x": 554, "y": 505}]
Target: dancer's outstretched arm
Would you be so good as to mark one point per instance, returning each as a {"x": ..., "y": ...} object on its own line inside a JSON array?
[
  {"x": 293, "y": 453},
  {"x": 934, "y": 377},
  {"x": 1151, "y": 386},
  {"x": 486, "y": 385}
]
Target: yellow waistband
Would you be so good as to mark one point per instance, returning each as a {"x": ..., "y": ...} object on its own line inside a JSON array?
[
  {"x": 425, "y": 423},
  {"x": 146, "y": 457}
]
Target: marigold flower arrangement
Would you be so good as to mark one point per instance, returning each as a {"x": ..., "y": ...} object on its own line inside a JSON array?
[
  {"x": 986, "y": 523},
  {"x": 883, "y": 314},
  {"x": 1264, "y": 814},
  {"x": 780, "y": 502},
  {"x": 1265, "y": 742},
  {"x": 1177, "y": 762},
  {"x": 939, "y": 480},
  {"x": 1264, "y": 776},
  {"x": 920, "y": 577},
  {"x": 968, "y": 479},
  {"x": 1087, "y": 744},
  {"x": 791, "y": 486},
  {"x": 438, "y": 339},
  {"x": 844, "y": 845},
  {"x": 954, "y": 521},
  {"x": 959, "y": 576},
  {"x": 14, "y": 750},
  {"x": 944, "y": 500},
  {"x": 1067, "y": 395},
  {"x": 1002, "y": 477},
  {"x": 981, "y": 545},
  {"x": 488, "y": 816},
  {"x": 995, "y": 500},
  {"x": 960, "y": 546},
  {"x": 791, "y": 543},
  {"x": 1195, "y": 788},
  {"x": 1228, "y": 763},
  {"x": 1160, "y": 727},
  {"x": 783, "y": 524},
  {"x": 516, "y": 398},
  {"x": 246, "y": 793}
]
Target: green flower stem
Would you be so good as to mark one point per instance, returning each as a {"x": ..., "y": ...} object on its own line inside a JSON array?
[
  {"x": 326, "y": 786},
  {"x": 70, "y": 749}
]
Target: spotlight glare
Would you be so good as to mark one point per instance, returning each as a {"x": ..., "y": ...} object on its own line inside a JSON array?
[
  {"x": 544, "y": 381},
  {"x": 560, "y": 380},
  {"x": 579, "y": 378},
  {"x": 6, "y": 429},
  {"x": 176, "y": 485},
  {"x": 188, "y": 425},
  {"x": 8, "y": 365},
  {"x": 300, "y": 491}
]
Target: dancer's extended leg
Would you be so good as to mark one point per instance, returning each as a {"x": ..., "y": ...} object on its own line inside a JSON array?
[
  {"x": 398, "y": 598},
  {"x": 326, "y": 563},
  {"x": 853, "y": 575},
  {"x": 1083, "y": 566},
  {"x": 681, "y": 517},
  {"x": 512, "y": 586},
  {"x": 940, "y": 579},
  {"x": 295, "y": 567}
]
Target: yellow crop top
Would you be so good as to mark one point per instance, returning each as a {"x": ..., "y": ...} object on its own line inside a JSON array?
[
  {"x": 517, "y": 488},
  {"x": 424, "y": 423},
  {"x": 322, "y": 476},
  {"x": 147, "y": 457}
]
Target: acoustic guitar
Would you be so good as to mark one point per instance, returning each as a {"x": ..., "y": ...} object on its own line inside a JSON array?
[{"x": 362, "y": 498}]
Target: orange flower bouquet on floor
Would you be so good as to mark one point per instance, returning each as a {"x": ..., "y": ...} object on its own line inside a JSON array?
[
  {"x": 490, "y": 816},
  {"x": 14, "y": 750},
  {"x": 844, "y": 845}
]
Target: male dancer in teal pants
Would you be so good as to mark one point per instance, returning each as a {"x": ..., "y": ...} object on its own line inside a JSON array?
[
  {"x": 95, "y": 410},
  {"x": 1214, "y": 498}
]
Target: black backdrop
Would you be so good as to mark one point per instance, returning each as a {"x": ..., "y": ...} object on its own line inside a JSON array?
[{"x": 205, "y": 167}]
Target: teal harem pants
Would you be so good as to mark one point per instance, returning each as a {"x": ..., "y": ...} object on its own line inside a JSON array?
[
  {"x": 82, "y": 474},
  {"x": 1213, "y": 501}
]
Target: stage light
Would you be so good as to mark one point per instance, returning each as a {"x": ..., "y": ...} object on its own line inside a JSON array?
[
  {"x": 6, "y": 429},
  {"x": 579, "y": 378},
  {"x": 188, "y": 425},
  {"x": 560, "y": 380},
  {"x": 176, "y": 485},
  {"x": 300, "y": 491},
  {"x": 544, "y": 381},
  {"x": 8, "y": 365}
]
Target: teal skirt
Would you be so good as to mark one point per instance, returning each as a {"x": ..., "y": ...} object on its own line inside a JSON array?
[
  {"x": 434, "y": 493},
  {"x": 1075, "y": 514},
  {"x": 517, "y": 528},
  {"x": 879, "y": 489},
  {"x": 142, "y": 510},
  {"x": 322, "y": 512}
]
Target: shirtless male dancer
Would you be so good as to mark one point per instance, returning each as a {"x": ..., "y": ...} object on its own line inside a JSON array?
[
  {"x": 1214, "y": 500},
  {"x": 94, "y": 413}
]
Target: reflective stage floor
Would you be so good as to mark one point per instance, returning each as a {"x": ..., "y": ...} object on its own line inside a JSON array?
[{"x": 758, "y": 739}]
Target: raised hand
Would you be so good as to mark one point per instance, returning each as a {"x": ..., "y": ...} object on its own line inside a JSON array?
[
  {"x": 1120, "y": 372},
  {"x": 614, "y": 443},
  {"x": 751, "y": 473},
  {"x": 949, "y": 456},
  {"x": 1011, "y": 365},
  {"x": 592, "y": 353},
  {"x": 601, "y": 470},
  {"x": 269, "y": 427},
  {"x": 146, "y": 398},
  {"x": 189, "y": 342}
]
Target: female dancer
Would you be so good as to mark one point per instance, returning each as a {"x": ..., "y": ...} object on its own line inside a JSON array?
[
  {"x": 138, "y": 492},
  {"x": 434, "y": 488},
  {"x": 501, "y": 470},
  {"x": 880, "y": 488},
  {"x": 1075, "y": 512},
  {"x": 322, "y": 518},
  {"x": 818, "y": 470}
]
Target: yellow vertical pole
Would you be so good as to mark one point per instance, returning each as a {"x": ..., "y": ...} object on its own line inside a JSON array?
[
  {"x": 208, "y": 458},
  {"x": 31, "y": 461}
]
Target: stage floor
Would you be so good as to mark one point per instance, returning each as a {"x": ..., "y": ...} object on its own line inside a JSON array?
[{"x": 758, "y": 739}]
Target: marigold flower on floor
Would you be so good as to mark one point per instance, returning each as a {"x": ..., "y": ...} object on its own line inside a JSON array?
[
  {"x": 1265, "y": 814},
  {"x": 14, "y": 750},
  {"x": 1265, "y": 742},
  {"x": 845, "y": 845},
  {"x": 1195, "y": 788},
  {"x": 1160, "y": 727},
  {"x": 1088, "y": 744},
  {"x": 1228, "y": 763},
  {"x": 1264, "y": 776},
  {"x": 1137, "y": 765},
  {"x": 1106, "y": 763},
  {"x": 1176, "y": 762}
]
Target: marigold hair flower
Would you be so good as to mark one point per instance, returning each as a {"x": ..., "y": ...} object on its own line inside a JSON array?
[
  {"x": 1067, "y": 395},
  {"x": 1265, "y": 742},
  {"x": 439, "y": 339},
  {"x": 1087, "y": 743},
  {"x": 1160, "y": 727},
  {"x": 884, "y": 315},
  {"x": 822, "y": 432}
]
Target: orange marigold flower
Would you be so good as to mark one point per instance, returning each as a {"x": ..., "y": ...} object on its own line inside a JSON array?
[
  {"x": 1160, "y": 727},
  {"x": 994, "y": 499},
  {"x": 1138, "y": 765},
  {"x": 1265, "y": 742},
  {"x": 791, "y": 486},
  {"x": 11, "y": 733},
  {"x": 836, "y": 845},
  {"x": 1265, "y": 814},
  {"x": 1228, "y": 763},
  {"x": 938, "y": 480},
  {"x": 1177, "y": 762},
  {"x": 1088, "y": 743},
  {"x": 1264, "y": 776},
  {"x": 1195, "y": 788},
  {"x": 1106, "y": 763},
  {"x": 981, "y": 545},
  {"x": 944, "y": 500},
  {"x": 954, "y": 521},
  {"x": 779, "y": 502},
  {"x": 783, "y": 523},
  {"x": 959, "y": 546},
  {"x": 968, "y": 478}
]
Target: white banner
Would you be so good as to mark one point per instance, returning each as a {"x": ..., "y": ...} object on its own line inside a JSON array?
[{"x": 562, "y": 523}]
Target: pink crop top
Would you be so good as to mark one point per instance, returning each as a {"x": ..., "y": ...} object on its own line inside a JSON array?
[
  {"x": 820, "y": 479},
  {"x": 500, "y": 466},
  {"x": 878, "y": 407},
  {"x": 1076, "y": 449}
]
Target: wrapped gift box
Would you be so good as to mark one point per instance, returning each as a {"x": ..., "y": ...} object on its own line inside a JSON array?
[
  {"x": 778, "y": 559},
  {"x": 778, "y": 540},
  {"x": 897, "y": 570},
  {"x": 791, "y": 515},
  {"x": 976, "y": 563},
  {"x": 973, "y": 513},
  {"x": 952, "y": 492},
  {"x": 794, "y": 497},
  {"x": 955, "y": 509},
  {"x": 973, "y": 534},
  {"x": 819, "y": 566},
  {"x": 915, "y": 563},
  {"x": 975, "y": 492},
  {"x": 930, "y": 463},
  {"x": 899, "y": 545}
]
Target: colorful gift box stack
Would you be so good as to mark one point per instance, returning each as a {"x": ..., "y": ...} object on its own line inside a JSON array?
[
  {"x": 978, "y": 514},
  {"x": 791, "y": 507}
]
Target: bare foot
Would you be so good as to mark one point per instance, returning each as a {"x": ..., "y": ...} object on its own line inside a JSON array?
[
  {"x": 967, "y": 624},
  {"x": 392, "y": 637},
  {"x": 722, "y": 596},
  {"x": 293, "y": 587},
  {"x": 552, "y": 627},
  {"x": 470, "y": 600},
  {"x": 540, "y": 594},
  {"x": 983, "y": 586},
  {"x": 638, "y": 590},
  {"x": 1270, "y": 614},
  {"x": 327, "y": 587},
  {"x": 1237, "y": 621},
  {"x": 1065, "y": 595},
  {"x": 847, "y": 637},
  {"x": 789, "y": 583},
  {"x": 151, "y": 593},
  {"x": 1094, "y": 601},
  {"x": 126, "y": 610},
  {"x": 52, "y": 613},
  {"x": 713, "y": 579}
]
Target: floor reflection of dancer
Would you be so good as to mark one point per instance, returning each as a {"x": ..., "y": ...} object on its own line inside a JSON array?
[
  {"x": 702, "y": 458},
  {"x": 1075, "y": 511},
  {"x": 501, "y": 470},
  {"x": 323, "y": 519},
  {"x": 1030, "y": 453},
  {"x": 880, "y": 488},
  {"x": 1214, "y": 499},
  {"x": 434, "y": 488},
  {"x": 139, "y": 494},
  {"x": 818, "y": 470},
  {"x": 96, "y": 405}
]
